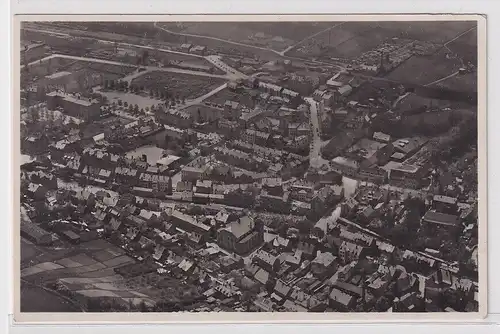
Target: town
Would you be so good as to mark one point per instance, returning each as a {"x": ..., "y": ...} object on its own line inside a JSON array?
[{"x": 175, "y": 167}]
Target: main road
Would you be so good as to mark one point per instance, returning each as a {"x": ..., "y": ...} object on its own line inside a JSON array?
[
  {"x": 131, "y": 76},
  {"x": 315, "y": 159}
]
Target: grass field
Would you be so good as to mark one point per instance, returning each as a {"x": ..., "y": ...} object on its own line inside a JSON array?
[
  {"x": 466, "y": 46},
  {"x": 425, "y": 69},
  {"x": 263, "y": 34},
  {"x": 184, "y": 86},
  {"x": 86, "y": 269},
  {"x": 83, "y": 74},
  {"x": 227, "y": 95},
  {"x": 37, "y": 299},
  {"x": 463, "y": 82},
  {"x": 351, "y": 39}
]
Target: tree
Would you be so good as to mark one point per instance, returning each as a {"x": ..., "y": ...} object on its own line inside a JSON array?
[
  {"x": 136, "y": 108},
  {"x": 120, "y": 103}
]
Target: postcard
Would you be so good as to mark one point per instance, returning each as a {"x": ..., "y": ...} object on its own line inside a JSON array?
[{"x": 250, "y": 168}]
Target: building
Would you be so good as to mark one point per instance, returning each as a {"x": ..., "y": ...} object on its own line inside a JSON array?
[
  {"x": 192, "y": 174},
  {"x": 36, "y": 191},
  {"x": 341, "y": 301},
  {"x": 409, "y": 146},
  {"x": 382, "y": 137},
  {"x": 279, "y": 204},
  {"x": 35, "y": 233},
  {"x": 373, "y": 174},
  {"x": 189, "y": 224},
  {"x": 232, "y": 110},
  {"x": 255, "y": 137},
  {"x": 345, "y": 166},
  {"x": 156, "y": 182},
  {"x": 349, "y": 252},
  {"x": 198, "y": 50},
  {"x": 409, "y": 176},
  {"x": 325, "y": 198},
  {"x": 441, "y": 220},
  {"x": 203, "y": 187},
  {"x": 82, "y": 108},
  {"x": 325, "y": 264},
  {"x": 445, "y": 204},
  {"x": 241, "y": 236},
  {"x": 266, "y": 261}
]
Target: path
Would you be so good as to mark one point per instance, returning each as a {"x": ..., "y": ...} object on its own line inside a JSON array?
[
  {"x": 442, "y": 79},
  {"x": 216, "y": 39},
  {"x": 135, "y": 74},
  {"x": 309, "y": 37},
  {"x": 339, "y": 65},
  {"x": 200, "y": 99},
  {"x": 216, "y": 61},
  {"x": 460, "y": 35}
]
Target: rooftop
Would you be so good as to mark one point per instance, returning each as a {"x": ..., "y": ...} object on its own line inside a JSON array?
[
  {"x": 241, "y": 227},
  {"x": 440, "y": 218}
]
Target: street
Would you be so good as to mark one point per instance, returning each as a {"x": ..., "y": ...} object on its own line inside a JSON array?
[{"x": 315, "y": 159}]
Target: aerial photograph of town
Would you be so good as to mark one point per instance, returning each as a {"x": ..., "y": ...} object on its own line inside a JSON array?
[{"x": 249, "y": 166}]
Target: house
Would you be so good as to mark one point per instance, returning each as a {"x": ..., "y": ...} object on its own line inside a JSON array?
[
  {"x": 35, "y": 233},
  {"x": 341, "y": 301},
  {"x": 381, "y": 137},
  {"x": 262, "y": 276},
  {"x": 440, "y": 220},
  {"x": 255, "y": 137},
  {"x": 189, "y": 224},
  {"x": 36, "y": 191},
  {"x": 279, "y": 204},
  {"x": 241, "y": 236},
  {"x": 186, "y": 47},
  {"x": 46, "y": 179},
  {"x": 325, "y": 198},
  {"x": 345, "y": 166},
  {"x": 405, "y": 175},
  {"x": 351, "y": 289},
  {"x": 198, "y": 50},
  {"x": 281, "y": 289},
  {"x": 308, "y": 249},
  {"x": 350, "y": 252},
  {"x": 290, "y": 306},
  {"x": 266, "y": 261},
  {"x": 445, "y": 204},
  {"x": 193, "y": 174},
  {"x": 325, "y": 264}
]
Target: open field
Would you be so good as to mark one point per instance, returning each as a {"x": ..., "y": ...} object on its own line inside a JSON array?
[
  {"x": 182, "y": 85},
  {"x": 462, "y": 82},
  {"x": 465, "y": 46},
  {"x": 142, "y": 101},
  {"x": 351, "y": 39},
  {"x": 262, "y": 34},
  {"x": 86, "y": 271},
  {"x": 425, "y": 69},
  {"x": 36, "y": 299},
  {"x": 227, "y": 95},
  {"x": 77, "y": 74}
]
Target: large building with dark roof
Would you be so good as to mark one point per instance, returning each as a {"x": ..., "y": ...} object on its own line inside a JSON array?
[{"x": 240, "y": 236}]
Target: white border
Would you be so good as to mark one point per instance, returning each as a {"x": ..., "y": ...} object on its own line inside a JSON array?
[{"x": 290, "y": 6}]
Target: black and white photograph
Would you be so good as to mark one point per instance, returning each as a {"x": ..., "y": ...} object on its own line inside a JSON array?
[{"x": 250, "y": 166}]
